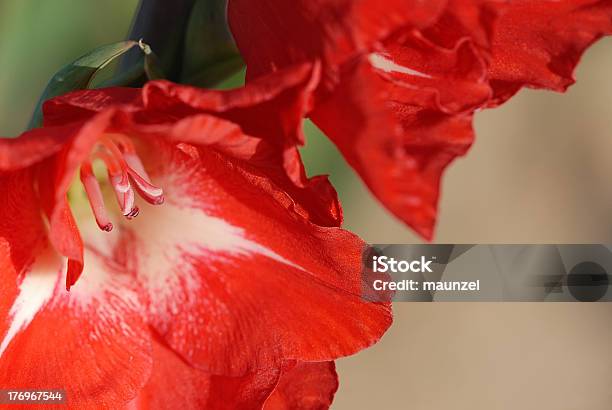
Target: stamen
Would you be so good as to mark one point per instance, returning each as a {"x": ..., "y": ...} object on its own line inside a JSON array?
[
  {"x": 114, "y": 165},
  {"x": 148, "y": 191},
  {"x": 124, "y": 143},
  {"x": 125, "y": 199},
  {"x": 135, "y": 163},
  {"x": 139, "y": 176},
  {"x": 120, "y": 182},
  {"x": 136, "y": 170},
  {"x": 125, "y": 172},
  {"x": 129, "y": 155},
  {"x": 94, "y": 194}
]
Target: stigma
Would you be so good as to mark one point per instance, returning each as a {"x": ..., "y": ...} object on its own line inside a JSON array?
[{"x": 126, "y": 175}]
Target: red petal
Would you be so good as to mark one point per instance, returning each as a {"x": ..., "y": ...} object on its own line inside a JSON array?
[
  {"x": 63, "y": 122},
  {"x": 34, "y": 146},
  {"x": 270, "y": 108},
  {"x": 539, "y": 43},
  {"x": 427, "y": 75},
  {"x": 393, "y": 145},
  {"x": 22, "y": 235},
  {"x": 176, "y": 385},
  {"x": 465, "y": 19},
  {"x": 272, "y": 34},
  {"x": 55, "y": 175},
  {"x": 305, "y": 386},
  {"x": 79, "y": 105},
  {"x": 399, "y": 150},
  {"x": 93, "y": 342},
  {"x": 313, "y": 198},
  {"x": 236, "y": 278}
]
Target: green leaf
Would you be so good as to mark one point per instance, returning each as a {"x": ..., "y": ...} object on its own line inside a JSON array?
[
  {"x": 80, "y": 74},
  {"x": 210, "y": 55}
]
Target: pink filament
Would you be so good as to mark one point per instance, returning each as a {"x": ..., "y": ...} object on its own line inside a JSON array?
[
  {"x": 119, "y": 181},
  {"x": 94, "y": 194},
  {"x": 136, "y": 169},
  {"x": 148, "y": 191},
  {"x": 124, "y": 169}
]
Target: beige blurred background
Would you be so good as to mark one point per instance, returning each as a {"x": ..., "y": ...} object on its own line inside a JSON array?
[{"x": 539, "y": 172}]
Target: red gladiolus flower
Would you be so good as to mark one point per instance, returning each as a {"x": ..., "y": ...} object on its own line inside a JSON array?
[
  {"x": 402, "y": 78},
  {"x": 213, "y": 275}
]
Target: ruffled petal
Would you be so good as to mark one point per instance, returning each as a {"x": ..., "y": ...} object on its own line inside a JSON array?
[
  {"x": 427, "y": 75},
  {"x": 376, "y": 73},
  {"x": 34, "y": 146},
  {"x": 305, "y": 386},
  {"x": 236, "y": 278},
  {"x": 78, "y": 106},
  {"x": 461, "y": 20},
  {"x": 273, "y": 34},
  {"x": 93, "y": 342},
  {"x": 261, "y": 123},
  {"x": 271, "y": 108},
  {"x": 539, "y": 43},
  {"x": 22, "y": 236},
  {"x": 399, "y": 150}
]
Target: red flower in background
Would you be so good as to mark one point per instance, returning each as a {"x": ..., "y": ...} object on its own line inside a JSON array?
[
  {"x": 216, "y": 281},
  {"x": 402, "y": 78}
]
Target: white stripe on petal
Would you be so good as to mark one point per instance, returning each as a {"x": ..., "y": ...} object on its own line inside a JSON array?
[
  {"x": 35, "y": 291},
  {"x": 166, "y": 234},
  {"x": 169, "y": 228},
  {"x": 384, "y": 63}
]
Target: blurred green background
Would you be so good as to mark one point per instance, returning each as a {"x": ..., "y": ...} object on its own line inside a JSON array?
[
  {"x": 37, "y": 38},
  {"x": 539, "y": 172}
]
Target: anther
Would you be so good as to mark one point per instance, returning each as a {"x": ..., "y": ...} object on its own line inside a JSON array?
[{"x": 133, "y": 213}]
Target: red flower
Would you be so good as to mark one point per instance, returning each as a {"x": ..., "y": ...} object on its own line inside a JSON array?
[
  {"x": 229, "y": 269},
  {"x": 402, "y": 78}
]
